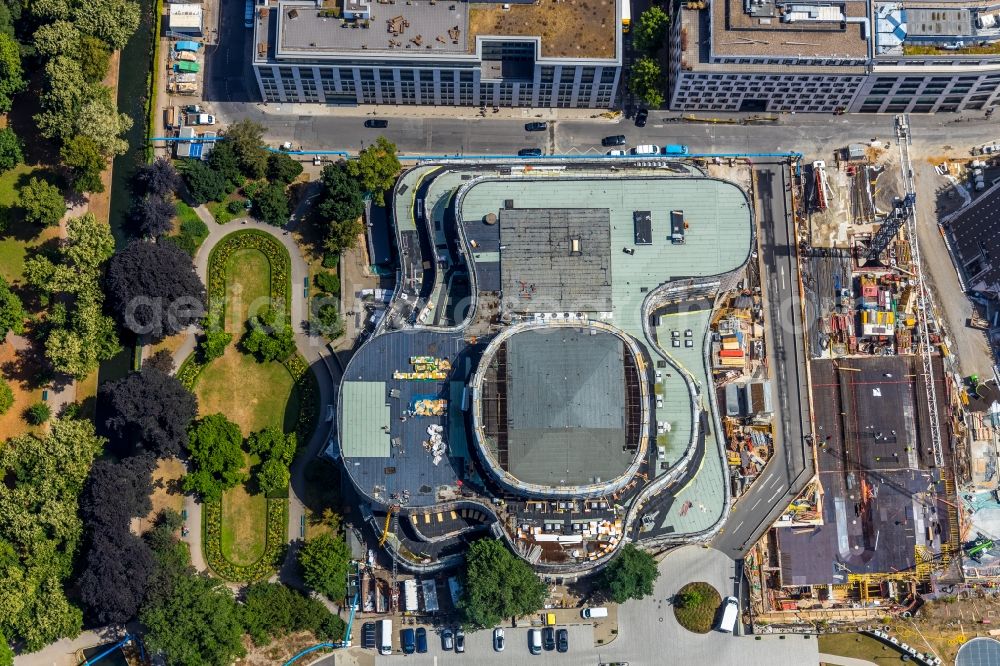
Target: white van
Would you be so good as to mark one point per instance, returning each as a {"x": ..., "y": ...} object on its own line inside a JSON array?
[
  {"x": 646, "y": 149},
  {"x": 730, "y": 613},
  {"x": 385, "y": 637},
  {"x": 591, "y": 613},
  {"x": 535, "y": 641}
]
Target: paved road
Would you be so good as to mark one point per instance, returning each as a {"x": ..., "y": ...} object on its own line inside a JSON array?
[
  {"x": 228, "y": 74},
  {"x": 791, "y": 465},
  {"x": 441, "y": 130}
]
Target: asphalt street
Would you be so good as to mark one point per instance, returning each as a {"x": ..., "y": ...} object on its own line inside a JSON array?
[{"x": 790, "y": 468}]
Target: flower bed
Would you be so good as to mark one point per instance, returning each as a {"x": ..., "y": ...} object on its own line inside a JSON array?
[
  {"x": 249, "y": 239},
  {"x": 275, "y": 541}
]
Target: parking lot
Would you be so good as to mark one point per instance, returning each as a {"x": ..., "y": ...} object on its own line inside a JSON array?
[{"x": 479, "y": 648}]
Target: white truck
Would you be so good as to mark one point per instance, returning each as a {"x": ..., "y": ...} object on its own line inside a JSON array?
[
  {"x": 730, "y": 613},
  {"x": 200, "y": 119}
]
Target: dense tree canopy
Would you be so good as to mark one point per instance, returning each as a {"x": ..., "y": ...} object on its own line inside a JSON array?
[
  {"x": 41, "y": 202},
  {"x": 247, "y": 141},
  {"x": 340, "y": 208},
  {"x": 216, "y": 447},
  {"x": 270, "y": 204},
  {"x": 118, "y": 567},
  {"x": 276, "y": 450},
  {"x": 214, "y": 344},
  {"x": 646, "y": 81},
  {"x": 82, "y": 156},
  {"x": 12, "y": 314},
  {"x": 630, "y": 575},
  {"x": 282, "y": 168},
  {"x": 204, "y": 183},
  {"x": 497, "y": 585},
  {"x": 11, "y": 76},
  {"x": 651, "y": 30},
  {"x": 153, "y": 216},
  {"x": 116, "y": 492},
  {"x": 154, "y": 290},
  {"x": 272, "y": 610},
  {"x": 376, "y": 168},
  {"x": 157, "y": 178},
  {"x": 325, "y": 562},
  {"x": 40, "y": 530},
  {"x": 197, "y": 624},
  {"x": 269, "y": 337},
  {"x": 149, "y": 409},
  {"x": 11, "y": 150},
  {"x": 111, "y": 21}
]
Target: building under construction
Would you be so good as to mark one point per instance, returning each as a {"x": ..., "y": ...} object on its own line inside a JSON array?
[{"x": 886, "y": 511}]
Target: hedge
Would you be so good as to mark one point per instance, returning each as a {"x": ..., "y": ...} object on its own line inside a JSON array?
[{"x": 275, "y": 542}]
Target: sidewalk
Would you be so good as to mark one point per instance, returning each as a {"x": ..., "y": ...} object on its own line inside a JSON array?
[
  {"x": 456, "y": 112},
  {"x": 837, "y": 660}
]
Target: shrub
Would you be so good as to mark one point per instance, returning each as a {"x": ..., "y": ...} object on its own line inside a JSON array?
[
  {"x": 695, "y": 606},
  {"x": 38, "y": 413},
  {"x": 214, "y": 344},
  {"x": 236, "y": 206},
  {"x": 328, "y": 282},
  {"x": 11, "y": 149},
  {"x": 331, "y": 260},
  {"x": 6, "y": 397}
]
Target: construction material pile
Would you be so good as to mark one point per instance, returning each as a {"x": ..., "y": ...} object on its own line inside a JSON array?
[
  {"x": 435, "y": 444},
  {"x": 426, "y": 368}
]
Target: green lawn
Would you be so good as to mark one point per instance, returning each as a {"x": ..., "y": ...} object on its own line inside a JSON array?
[
  {"x": 858, "y": 646},
  {"x": 189, "y": 231},
  {"x": 244, "y": 523},
  {"x": 253, "y": 395},
  {"x": 221, "y": 213},
  {"x": 15, "y": 239}
]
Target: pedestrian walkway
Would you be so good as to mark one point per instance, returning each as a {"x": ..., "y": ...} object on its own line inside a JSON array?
[
  {"x": 456, "y": 112},
  {"x": 837, "y": 660}
]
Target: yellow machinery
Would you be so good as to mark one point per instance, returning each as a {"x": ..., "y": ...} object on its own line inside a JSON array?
[{"x": 385, "y": 528}]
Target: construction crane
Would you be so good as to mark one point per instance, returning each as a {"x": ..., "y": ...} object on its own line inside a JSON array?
[
  {"x": 923, "y": 303},
  {"x": 385, "y": 528}
]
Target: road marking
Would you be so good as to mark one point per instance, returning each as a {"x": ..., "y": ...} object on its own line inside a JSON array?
[
  {"x": 776, "y": 493},
  {"x": 782, "y": 278},
  {"x": 755, "y": 504},
  {"x": 777, "y": 480},
  {"x": 736, "y": 529}
]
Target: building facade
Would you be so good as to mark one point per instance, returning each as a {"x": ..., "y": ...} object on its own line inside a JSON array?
[
  {"x": 871, "y": 57},
  {"x": 433, "y": 52}
]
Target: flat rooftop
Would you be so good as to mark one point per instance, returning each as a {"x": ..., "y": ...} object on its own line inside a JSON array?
[
  {"x": 566, "y": 407},
  {"x": 575, "y": 28},
  {"x": 975, "y": 234},
  {"x": 556, "y": 259},
  {"x": 879, "y": 487},
  {"x": 737, "y": 33}
]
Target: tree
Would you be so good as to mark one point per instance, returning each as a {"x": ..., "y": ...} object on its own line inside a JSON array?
[
  {"x": 154, "y": 290},
  {"x": 148, "y": 409},
  {"x": 98, "y": 119},
  {"x": 646, "y": 81},
  {"x": 269, "y": 337},
  {"x": 89, "y": 243},
  {"x": 162, "y": 360},
  {"x": 340, "y": 208},
  {"x": 651, "y": 31},
  {"x": 282, "y": 168},
  {"x": 6, "y": 654},
  {"x": 12, "y": 314},
  {"x": 94, "y": 58},
  {"x": 630, "y": 575},
  {"x": 111, "y": 21},
  {"x": 497, "y": 585},
  {"x": 326, "y": 319},
  {"x": 153, "y": 215},
  {"x": 214, "y": 344},
  {"x": 173, "y": 559},
  {"x": 272, "y": 610},
  {"x": 58, "y": 38},
  {"x": 38, "y": 413},
  {"x": 158, "y": 178},
  {"x": 247, "y": 140},
  {"x": 328, "y": 282},
  {"x": 113, "y": 584},
  {"x": 271, "y": 443},
  {"x": 89, "y": 338},
  {"x": 41, "y": 202},
  {"x": 82, "y": 156},
  {"x": 273, "y": 477},
  {"x": 376, "y": 168},
  {"x": 11, "y": 76},
  {"x": 6, "y": 397},
  {"x": 65, "y": 91},
  {"x": 196, "y": 624},
  {"x": 216, "y": 447},
  {"x": 223, "y": 160},
  {"x": 117, "y": 492},
  {"x": 204, "y": 184},
  {"x": 271, "y": 204},
  {"x": 11, "y": 149},
  {"x": 325, "y": 561}
]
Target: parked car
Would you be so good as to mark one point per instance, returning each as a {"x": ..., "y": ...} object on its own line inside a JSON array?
[
  {"x": 368, "y": 635},
  {"x": 376, "y": 123},
  {"x": 248, "y": 14},
  {"x": 459, "y": 641},
  {"x": 641, "y": 117},
  {"x": 594, "y": 612},
  {"x": 498, "y": 639},
  {"x": 409, "y": 641},
  {"x": 646, "y": 149},
  {"x": 529, "y": 152},
  {"x": 536, "y": 127},
  {"x": 562, "y": 640},
  {"x": 421, "y": 640},
  {"x": 535, "y": 641},
  {"x": 617, "y": 140},
  {"x": 549, "y": 639},
  {"x": 447, "y": 640},
  {"x": 617, "y": 153}
]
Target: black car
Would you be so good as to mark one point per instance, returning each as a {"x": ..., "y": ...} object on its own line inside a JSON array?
[
  {"x": 641, "y": 117},
  {"x": 549, "y": 639},
  {"x": 536, "y": 126},
  {"x": 421, "y": 640},
  {"x": 617, "y": 140},
  {"x": 529, "y": 152},
  {"x": 376, "y": 124},
  {"x": 368, "y": 635},
  {"x": 562, "y": 640}
]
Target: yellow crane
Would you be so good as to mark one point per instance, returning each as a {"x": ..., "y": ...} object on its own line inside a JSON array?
[{"x": 385, "y": 528}]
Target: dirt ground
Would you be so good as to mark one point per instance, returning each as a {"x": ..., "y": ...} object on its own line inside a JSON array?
[
  {"x": 166, "y": 490},
  {"x": 19, "y": 366},
  {"x": 944, "y": 626},
  {"x": 281, "y": 651}
]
